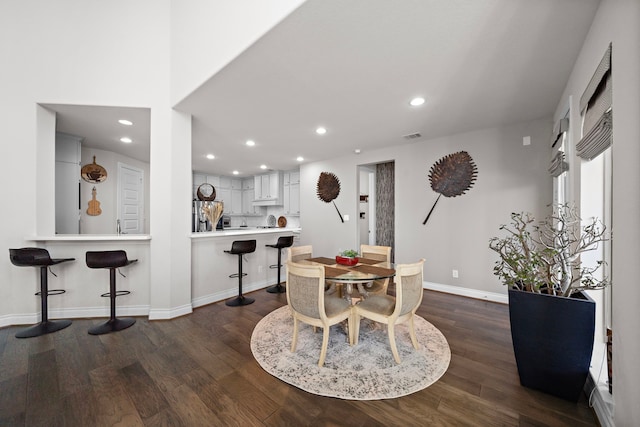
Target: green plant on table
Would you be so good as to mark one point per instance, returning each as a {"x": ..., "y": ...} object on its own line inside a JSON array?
[
  {"x": 545, "y": 257},
  {"x": 349, "y": 253}
]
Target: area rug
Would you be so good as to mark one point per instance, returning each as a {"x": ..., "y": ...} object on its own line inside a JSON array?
[{"x": 366, "y": 371}]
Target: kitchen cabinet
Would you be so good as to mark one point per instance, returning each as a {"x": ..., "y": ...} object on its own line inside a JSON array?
[
  {"x": 248, "y": 196},
  {"x": 268, "y": 189},
  {"x": 67, "y": 184},
  {"x": 291, "y": 193},
  {"x": 236, "y": 202}
]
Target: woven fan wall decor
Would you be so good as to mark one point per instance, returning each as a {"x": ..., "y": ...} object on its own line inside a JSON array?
[
  {"x": 452, "y": 176},
  {"x": 328, "y": 189}
]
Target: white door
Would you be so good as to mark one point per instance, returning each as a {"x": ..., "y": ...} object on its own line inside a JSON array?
[{"x": 130, "y": 199}]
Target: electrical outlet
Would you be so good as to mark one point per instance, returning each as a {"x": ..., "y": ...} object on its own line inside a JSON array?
[
  {"x": 454, "y": 273},
  {"x": 260, "y": 268}
]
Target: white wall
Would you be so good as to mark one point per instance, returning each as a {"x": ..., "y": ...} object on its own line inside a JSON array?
[
  {"x": 107, "y": 192},
  {"x": 68, "y": 52},
  {"x": 618, "y": 22},
  {"x": 210, "y": 34},
  {"x": 511, "y": 177}
]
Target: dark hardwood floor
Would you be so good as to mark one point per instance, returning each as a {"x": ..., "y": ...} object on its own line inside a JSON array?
[{"x": 198, "y": 370}]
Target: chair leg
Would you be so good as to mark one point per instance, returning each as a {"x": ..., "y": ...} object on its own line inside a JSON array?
[
  {"x": 356, "y": 328},
  {"x": 45, "y": 326},
  {"x": 278, "y": 289},
  {"x": 294, "y": 341},
  {"x": 412, "y": 332},
  {"x": 325, "y": 344},
  {"x": 392, "y": 342},
  {"x": 113, "y": 324}
]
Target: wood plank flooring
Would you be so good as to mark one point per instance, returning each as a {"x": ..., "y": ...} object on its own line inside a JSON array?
[{"x": 198, "y": 370}]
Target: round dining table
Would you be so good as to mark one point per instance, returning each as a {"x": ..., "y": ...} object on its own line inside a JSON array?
[{"x": 361, "y": 274}]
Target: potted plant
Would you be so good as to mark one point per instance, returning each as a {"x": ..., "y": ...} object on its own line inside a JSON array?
[
  {"x": 552, "y": 319},
  {"x": 348, "y": 257}
]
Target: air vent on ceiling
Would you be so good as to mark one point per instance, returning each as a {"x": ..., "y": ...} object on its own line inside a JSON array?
[{"x": 412, "y": 136}]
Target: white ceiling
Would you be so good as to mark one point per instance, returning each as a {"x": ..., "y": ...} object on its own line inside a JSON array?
[
  {"x": 99, "y": 127},
  {"x": 353, "y": 66}
]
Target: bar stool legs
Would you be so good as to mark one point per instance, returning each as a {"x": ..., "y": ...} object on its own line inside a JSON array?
[
  {"x": 239, "y": 248},
  {"x": 111, "y": 260},
  {"x": 283, "y": 242},
  {"x": 39, "y": 257}
]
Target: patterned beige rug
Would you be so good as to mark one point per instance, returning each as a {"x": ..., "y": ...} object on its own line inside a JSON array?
[{"x": 366, "y": 371}]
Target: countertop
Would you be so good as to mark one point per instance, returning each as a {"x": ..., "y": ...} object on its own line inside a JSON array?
[{"x": 243, "y": 231}]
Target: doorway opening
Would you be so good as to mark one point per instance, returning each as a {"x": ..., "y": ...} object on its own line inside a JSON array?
[{"x": 376, "y": 205}]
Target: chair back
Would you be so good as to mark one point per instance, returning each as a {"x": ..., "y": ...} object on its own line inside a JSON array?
[
  {"x": 284, "y": 242},
  {"x": 30, "y": 257},
  {"x": 243, "y": 247},
  {"x": 297, "y": 253},
  {"x": 106, "y": 259},
  {"x": 408, "y": 287},
  {"x": 379, "y": 253},
  {"x": 305, "y": 289}
]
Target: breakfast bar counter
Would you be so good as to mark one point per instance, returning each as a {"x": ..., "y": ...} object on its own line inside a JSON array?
[{"x": 211, "y": 266}]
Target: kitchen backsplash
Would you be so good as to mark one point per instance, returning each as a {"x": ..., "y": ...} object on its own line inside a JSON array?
[{"x": 256, "y": 221}]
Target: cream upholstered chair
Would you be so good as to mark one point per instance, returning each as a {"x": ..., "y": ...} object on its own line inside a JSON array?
[
  {"x": 308, "y": 304},
  {"x": 382, "y": 254},
  {"x": 392, "y": 311},
  {"x": 297, "y": 253}
]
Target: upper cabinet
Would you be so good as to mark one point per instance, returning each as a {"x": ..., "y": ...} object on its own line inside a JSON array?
[
  {"x": 291, "y": 193},
  {"x": 268, "y": 189},
  {"x": 236, "y": 194}
]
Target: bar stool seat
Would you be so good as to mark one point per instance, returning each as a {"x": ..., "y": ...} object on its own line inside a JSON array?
[
  {"x": 239, "y": 248},
  {"x": 39, "y": 257},
  {"x": 283, "y": 242},
  {"x": 112, "y": 260}
]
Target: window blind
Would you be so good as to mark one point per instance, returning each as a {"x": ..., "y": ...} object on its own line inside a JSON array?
[
  {"x": 595, "y": 103},
  {"x": 559, "y": 128},
  {"x": 558, "y": 165}
]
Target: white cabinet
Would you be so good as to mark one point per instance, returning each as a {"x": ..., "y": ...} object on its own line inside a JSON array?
[
  {"x": 268, "y": 189},
  {"x": 236, "y": 202},
  {"x": 291, "y": 190},
  {"x": 67, "y": 184},
  {"x": 236, "y": 184},
  {"x": 248, "y": 195}
]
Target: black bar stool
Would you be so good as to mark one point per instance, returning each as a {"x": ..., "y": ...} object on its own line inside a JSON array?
[
  {"x": 39, "y": 257},
  {"x": 283, "y": 242},
  {"x": 240, "y": 247},
  {"x": 111, "y": 260}
]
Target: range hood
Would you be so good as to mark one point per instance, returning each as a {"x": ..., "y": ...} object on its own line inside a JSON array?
[{"x": 267, "y": 202}]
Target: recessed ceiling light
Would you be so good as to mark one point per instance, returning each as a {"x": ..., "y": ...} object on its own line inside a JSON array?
[
  {"x": 357, "y": 151},
  {"x": 417, "y": 101},
  {"x": 300, "y": 158},
  {"x": 125, "y": 122},
  {"x": 321, "y": 131},
  {"x": 263, "y": 166},
  {"x": 126, "y": 140},
  {"x": 235, "y": 172},
  {"x": 250, "y": 143},
  {"x": 210, "y": 156}
]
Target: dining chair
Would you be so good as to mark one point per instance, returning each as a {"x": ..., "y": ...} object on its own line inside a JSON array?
[
  {"x": 378, "y": 253},
  {"x": 309, "y": 304},
  {"x": 393, "y": 311},
  {"x": 297, "y": 253}
]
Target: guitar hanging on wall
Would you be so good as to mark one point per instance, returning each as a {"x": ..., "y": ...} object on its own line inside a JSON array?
[{"x": 94, "y": 205}]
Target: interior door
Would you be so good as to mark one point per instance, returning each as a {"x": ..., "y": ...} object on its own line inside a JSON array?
[{"x": 130, "y": 199}]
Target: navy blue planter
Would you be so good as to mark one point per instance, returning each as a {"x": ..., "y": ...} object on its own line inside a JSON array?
[{"x": 552, "y": 340}]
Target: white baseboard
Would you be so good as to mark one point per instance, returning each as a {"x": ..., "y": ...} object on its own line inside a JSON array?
[
  {"x": 228, "y": 293},
  {"x": 467, "y": 292},
  {"x": 601, "y": 401},
  {"x": 73, "y": 313},
  {"x": 170, "y": 313}
]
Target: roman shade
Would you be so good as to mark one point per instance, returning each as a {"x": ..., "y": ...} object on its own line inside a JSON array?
[
  {"x": 559, "y": 129},
  {"x": 558, "y": 165},
  {"x": 595, "y": 104}
]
